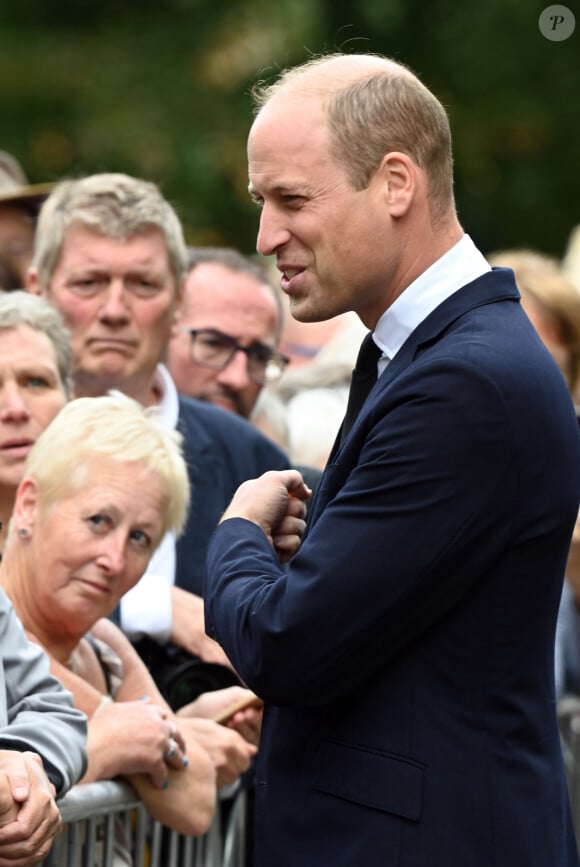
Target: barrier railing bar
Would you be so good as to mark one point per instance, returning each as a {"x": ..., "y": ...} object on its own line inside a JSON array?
[{"x": 96, "y": 815}]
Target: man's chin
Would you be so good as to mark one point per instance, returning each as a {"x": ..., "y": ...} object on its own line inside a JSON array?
[
  {"x": 101, "y": 379},
  {"x": 307, "y": 310},
  {"x": 224, "y": 404}
]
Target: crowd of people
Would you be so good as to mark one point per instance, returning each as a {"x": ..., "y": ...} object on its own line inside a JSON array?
[{"x": 389, "y": 604}]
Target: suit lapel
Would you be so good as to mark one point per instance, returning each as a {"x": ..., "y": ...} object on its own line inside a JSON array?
[{"x": 493, "y": 286}]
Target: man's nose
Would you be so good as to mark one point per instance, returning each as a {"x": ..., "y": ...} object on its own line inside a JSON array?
[
  {"x": 272, "y": 233},
  {"x": 115, "y": 302},
  {"x": 235, "y": 373}
]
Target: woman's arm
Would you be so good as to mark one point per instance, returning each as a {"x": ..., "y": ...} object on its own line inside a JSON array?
[
  {"x": 86, "y": 696},
  {"x": 187, "y": 804},
  {"x": 128, "y": 737},
  {"x": 231, "y": 753},
  {"x": 137, "y": 681}
]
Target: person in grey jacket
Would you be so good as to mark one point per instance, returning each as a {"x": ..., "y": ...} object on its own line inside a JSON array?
[{"x": 42, "y": 745}]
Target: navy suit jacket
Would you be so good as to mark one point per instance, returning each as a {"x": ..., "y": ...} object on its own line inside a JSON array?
[{"x": 406, "y": 656}]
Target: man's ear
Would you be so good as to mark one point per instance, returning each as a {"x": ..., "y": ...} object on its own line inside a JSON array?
[
  {"x": 32, "y": 284},
  {"x": 26, "y": 504},
  {"x": 177, "y": 310},
  {"x": 175, "y": 324},
  {"x": 399, "y": 176}
]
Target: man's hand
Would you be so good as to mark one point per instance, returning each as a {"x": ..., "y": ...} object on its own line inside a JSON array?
[
  {"x": 247, "y": 721},
  {"x": 275, "y": 502},
  {"x": 28, "y": 827},
  {"x": 188, "y": 628}
]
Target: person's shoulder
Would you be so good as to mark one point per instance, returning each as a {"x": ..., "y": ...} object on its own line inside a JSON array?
[
  {"x": 230, "y": 429},
  {"x": 216, "y": 419}
]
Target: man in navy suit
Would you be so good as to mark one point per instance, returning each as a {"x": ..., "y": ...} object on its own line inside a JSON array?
[{"x": 406, "y": 654}]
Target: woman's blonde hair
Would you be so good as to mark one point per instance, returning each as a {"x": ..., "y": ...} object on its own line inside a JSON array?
[{"x": 117, "y": 428}]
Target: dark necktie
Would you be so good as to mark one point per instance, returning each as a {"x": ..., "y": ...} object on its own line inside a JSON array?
[{"x": 364, "y": 377}]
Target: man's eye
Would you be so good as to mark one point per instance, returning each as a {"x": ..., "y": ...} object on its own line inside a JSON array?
[
  {"x": 142, "y": 285},
  {"x": 293, "y": 201},
  {"x": 261, "y": 354},
  {"x": 214, "y": 342},
  {"x": 88, "y": 284}
]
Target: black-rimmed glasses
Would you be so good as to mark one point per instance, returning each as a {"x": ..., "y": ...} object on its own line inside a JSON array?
[{"x": 214, "y": 349}]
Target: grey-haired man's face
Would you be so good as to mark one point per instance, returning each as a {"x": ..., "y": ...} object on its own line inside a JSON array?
[{"x": 119, "y": 299}]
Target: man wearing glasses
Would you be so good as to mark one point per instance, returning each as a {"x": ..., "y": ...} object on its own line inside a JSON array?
[{"x": 224, "y": 349}]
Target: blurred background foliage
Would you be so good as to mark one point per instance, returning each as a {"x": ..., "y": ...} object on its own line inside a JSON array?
[{"x": 160, "y": 89}]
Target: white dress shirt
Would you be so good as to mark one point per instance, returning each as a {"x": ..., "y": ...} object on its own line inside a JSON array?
[
  {"x": 455, "y": 269},
  {"x": 146, "y": 609}
]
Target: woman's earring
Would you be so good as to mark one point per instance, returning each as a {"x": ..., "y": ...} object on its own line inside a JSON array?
[{"x": 23, "y": 532}]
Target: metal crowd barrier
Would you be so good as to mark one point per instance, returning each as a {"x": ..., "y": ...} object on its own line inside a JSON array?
[
  {"x": 569, "y": 720},
  {"x": 106, "y": 825}
]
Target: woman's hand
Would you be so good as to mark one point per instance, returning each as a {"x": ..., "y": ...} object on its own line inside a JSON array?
[{"x": 134, "y": 737}]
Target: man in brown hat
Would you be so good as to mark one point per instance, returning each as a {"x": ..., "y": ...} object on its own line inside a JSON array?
[{"x": 19, "y": 204}]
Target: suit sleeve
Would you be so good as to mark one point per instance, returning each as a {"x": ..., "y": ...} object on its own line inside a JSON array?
[
  {"x": 408, "y": 527},
  {"x": 36, "y": 711}
]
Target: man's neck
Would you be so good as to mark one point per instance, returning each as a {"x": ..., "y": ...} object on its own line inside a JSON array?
[{"x": 145, "y": 391}]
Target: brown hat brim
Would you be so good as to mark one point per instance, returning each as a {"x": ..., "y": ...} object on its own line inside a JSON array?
[{"x": 31, "y": 195}]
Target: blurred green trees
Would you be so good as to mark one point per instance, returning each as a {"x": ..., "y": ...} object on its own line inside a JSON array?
[{"x": 160, "y": 89}]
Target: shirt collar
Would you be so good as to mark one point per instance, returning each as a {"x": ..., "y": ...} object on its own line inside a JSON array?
[
  {"x": 168, "y": 405},
  {"x": 455, "y": 269}
]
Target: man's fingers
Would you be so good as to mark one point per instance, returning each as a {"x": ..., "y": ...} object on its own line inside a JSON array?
[{"x": 297, "y": 487}]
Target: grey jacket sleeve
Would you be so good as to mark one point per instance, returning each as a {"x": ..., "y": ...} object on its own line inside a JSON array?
[{"x": 36, "y": 711}]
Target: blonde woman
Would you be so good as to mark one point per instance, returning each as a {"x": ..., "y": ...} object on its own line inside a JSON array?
[{"x": 102, "y": 485}]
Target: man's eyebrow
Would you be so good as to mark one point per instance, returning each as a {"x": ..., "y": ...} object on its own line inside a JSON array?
[{"x": 277, "y": 189}]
